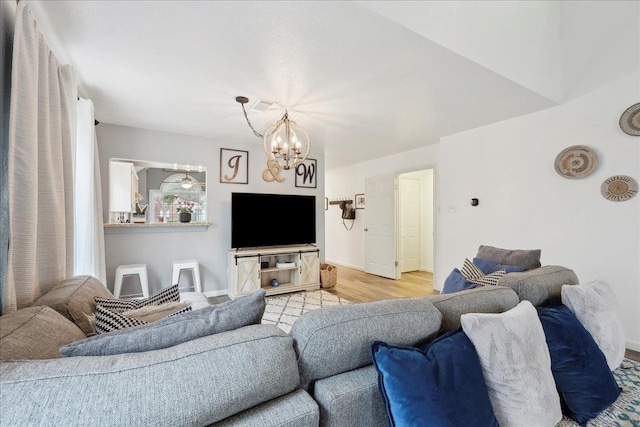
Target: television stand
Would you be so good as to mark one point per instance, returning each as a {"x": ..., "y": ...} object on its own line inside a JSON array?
[{"x": 253, "y": 269}]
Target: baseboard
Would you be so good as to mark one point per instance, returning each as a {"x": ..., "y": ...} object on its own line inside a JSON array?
[
  {"x": 344, "y": 264},
  {"x": 220, "y": 293},
  {"x": 427, "y": 270},
  {"x": 633, "y": 345}
]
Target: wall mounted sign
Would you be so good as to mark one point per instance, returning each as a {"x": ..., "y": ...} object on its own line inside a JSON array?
[
  {"x": 234, "y": 166},
  {"x": 359, "y": 201},
  {"x": 272, "y": 172},
  {"x": 619, "y": 188},
  {"x": 307, "y": 174},
  {"x": 630, "y": 120},
  {"x": 576, "y": 162}
]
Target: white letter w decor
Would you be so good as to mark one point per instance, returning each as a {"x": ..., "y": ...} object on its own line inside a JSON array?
[{"x": 307, "y": 174}]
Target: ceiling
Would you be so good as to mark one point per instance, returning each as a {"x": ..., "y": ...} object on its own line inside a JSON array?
[{"x": 362, "y": 82}]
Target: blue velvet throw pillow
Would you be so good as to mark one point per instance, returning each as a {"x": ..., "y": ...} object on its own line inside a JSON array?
[
  {"x": 456, "y": 282},
  {"x": 583, "y": 379},
  {"x": 440, "y": 384},
  {"x": 488, "y": 266}
]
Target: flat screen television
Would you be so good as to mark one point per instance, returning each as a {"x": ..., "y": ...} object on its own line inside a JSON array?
[{"x": 272, "y": 220}]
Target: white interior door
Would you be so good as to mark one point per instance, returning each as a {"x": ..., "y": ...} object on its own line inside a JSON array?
[
  {"x": 380, "y": 227},
  {"x": 410, "y": 200}
]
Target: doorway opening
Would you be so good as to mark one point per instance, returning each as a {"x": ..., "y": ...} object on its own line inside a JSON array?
[{"x": 415, "y": 222}]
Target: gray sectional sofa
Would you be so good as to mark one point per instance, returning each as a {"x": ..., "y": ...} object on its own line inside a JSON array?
[{"x": 319, "y": 374}]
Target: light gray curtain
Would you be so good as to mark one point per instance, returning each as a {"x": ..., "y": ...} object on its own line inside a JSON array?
[
  {"x": 7, "y": 22},
  {"x": 89, "y": 235},
  {"x": 40, "y": 178}
]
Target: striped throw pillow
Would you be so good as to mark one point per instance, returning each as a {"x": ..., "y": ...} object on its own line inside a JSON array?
[
  {"x": 474, "y": 275},
  {"x": 170, "y": 294},
  {"x": 107, "y": 320}
]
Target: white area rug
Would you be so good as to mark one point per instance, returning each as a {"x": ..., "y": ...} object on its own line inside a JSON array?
[{"x": 283, "y": 310}]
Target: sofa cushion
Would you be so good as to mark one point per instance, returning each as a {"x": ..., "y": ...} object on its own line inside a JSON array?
[
  {"x": 540, "y": 286},
  {"x": 493, "y": 299},
  {"x": 439, "y": 384},
  {"x": 579, "y": 368},
  {"x": 516, "y": 365},
  {"x": 35, "y": 333},
  {"x": 296, "y": 409},
  {"x": 599, "y": 316},
  {"x": 456, "y": 282},
  {"x": 487, "y": 266},
  {"x": 526, "y": 258},
  {"x": 174, "y": 330},
  {"x": 351, "y": 399},
  {"x": 74, "y": 299},
  {"x": 338, "y": 339},
  {"x": 196, "y": 383}
]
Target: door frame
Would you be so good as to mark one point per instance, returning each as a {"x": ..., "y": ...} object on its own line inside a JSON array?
[{"x": 436, "y": 204}]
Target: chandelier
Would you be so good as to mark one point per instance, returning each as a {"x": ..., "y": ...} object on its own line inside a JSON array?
[
  {"x": 285, "y": 143},
  {"x": 186, "y": 182}
]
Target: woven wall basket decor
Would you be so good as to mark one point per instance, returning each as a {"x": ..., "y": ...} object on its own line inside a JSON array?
[
  {"x": 630, "y": 120},
  {"x": 576, "y": 162},
  {"x": 619, "y": 188}
]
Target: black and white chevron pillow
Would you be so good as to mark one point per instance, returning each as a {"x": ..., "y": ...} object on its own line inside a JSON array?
[
  {"x": 170, "y": 294},
  {"x": 108, "y": 320},
  {"x": 474, "y": 275}
]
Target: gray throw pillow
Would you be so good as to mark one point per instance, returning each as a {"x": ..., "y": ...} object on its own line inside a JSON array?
[
  {"x": 175, "y": 330},
  {"x": 516, "y": 364},
  {"x": 525, "y": 258},
  {"x": 596, "y": 307}
]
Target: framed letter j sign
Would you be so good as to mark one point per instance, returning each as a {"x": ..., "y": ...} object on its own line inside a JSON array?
[
  {"x": 307, "y": 174},
  {"x": 234, "y": 166}
]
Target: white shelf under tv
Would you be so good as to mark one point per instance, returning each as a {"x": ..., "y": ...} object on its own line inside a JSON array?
[{"x": 246, "y": 274}]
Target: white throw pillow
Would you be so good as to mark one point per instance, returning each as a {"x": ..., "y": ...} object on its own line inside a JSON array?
[
  {"x": 516, "y": 365},
  {"x": 595, "y": 305}
]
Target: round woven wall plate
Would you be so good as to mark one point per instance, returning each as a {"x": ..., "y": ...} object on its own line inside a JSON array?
[
  {"x": 576, "y": 162},
  {"x": 630, "y": 120},
  {"x": 619, "y": 188}
]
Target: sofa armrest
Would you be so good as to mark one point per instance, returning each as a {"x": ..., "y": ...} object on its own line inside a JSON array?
[
  {"x": 541, "y": 285},
  {"x": 195, "y": 383},
  {"x": 483, "y": 299},
  {"x": 338, "y": 339}
]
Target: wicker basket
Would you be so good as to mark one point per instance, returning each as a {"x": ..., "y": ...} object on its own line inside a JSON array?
[{"x": 328, "y": 275}]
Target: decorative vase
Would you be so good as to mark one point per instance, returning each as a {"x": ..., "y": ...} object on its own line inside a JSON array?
[{"x": 184, "y": 217}]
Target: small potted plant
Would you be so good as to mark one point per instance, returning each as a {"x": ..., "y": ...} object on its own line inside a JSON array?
[
  {"x": 140, "y": 213},
  {"x": 185, "y": 209}
]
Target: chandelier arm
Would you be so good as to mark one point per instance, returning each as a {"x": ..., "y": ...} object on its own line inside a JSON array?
[{"x": 256, "y": 133}]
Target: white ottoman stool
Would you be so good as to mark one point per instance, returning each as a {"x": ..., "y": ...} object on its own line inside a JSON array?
[
  {"x": 129, "y": 270},
  {"x": 190, "y": 264}
]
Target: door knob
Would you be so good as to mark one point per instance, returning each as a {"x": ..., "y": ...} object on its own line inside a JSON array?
[{"x": 366, "y": 229}]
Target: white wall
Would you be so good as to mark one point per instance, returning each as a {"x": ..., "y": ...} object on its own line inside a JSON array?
[
  {"x": 159, "y": 249},
  {"x": 347, "y": 247},
  {"x": 428, "y": 221},
  {"x": 524, "y": 203}
]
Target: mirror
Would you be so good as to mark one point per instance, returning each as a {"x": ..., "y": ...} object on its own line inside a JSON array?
[{"x": 143, "y": 191}]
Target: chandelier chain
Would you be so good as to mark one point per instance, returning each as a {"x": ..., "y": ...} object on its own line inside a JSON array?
[{"x": 256, "y": 133}]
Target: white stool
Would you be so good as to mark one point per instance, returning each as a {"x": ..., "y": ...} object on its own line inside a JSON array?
[
  {"x": 128, "y": 270},
  {"x": 190, "y": 264}
]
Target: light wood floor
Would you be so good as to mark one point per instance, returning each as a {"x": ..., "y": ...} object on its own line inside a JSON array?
[{"x": 358, "y": 286}]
